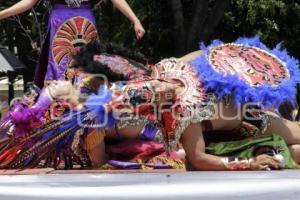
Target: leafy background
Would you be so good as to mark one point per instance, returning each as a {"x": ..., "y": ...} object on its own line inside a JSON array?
[{"x": 174, "y": 27}]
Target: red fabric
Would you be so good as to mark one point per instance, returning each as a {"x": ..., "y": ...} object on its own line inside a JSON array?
[
  {"x": 10, "y": 154},
  {"x": 135, "y": 149}
]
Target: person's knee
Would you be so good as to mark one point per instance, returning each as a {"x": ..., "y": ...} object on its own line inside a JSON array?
[{"x": 295, "y": 152}]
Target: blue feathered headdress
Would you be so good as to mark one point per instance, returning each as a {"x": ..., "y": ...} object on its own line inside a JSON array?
[{"x": 225, "y": 85}]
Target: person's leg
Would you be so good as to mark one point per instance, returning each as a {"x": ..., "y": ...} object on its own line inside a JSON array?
[
  {"x": 295, "y": 151},
  {"x": 229, "y": 118},
  {"x": 191, "y": 56},
  {"x": 94, "y": 144},
  {"x": 289, "y": 130}
]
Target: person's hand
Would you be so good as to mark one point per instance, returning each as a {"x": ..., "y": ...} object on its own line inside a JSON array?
[
  {"x": 60, "y": 89},
  {"x": 264, "y": 162},
  {"x": 139, "y": 30},
  {"x": 63, "y": 90}
]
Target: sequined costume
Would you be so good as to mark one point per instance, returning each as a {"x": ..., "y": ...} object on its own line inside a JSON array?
[
  {"x": 192, "y": 105},
  {"x": 63, "y": 140},
  {"x": 139, "y": 101}
]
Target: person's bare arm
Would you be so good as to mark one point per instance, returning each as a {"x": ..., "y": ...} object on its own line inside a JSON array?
[
  {"x": 191, "y": 56},
  {"x": 124, "y": 8},
  {"x": 194, "y": 146},
  {"x": 17, "y": 8}
]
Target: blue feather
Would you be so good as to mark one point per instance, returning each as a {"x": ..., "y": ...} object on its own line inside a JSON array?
[
  {"x": 231, "y": 85},
  {"x": 96, "y": 104}
]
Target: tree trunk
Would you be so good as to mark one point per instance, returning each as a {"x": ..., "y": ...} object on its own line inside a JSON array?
[
  {"x": 213, "y": 19},
  {"x": 179, "y": 28},
  {"x": 25, "y": 50},
  {"x": 199, "y": 17},
  {"x": 11, "y": 75}
]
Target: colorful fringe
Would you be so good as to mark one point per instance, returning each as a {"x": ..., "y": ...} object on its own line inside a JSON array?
[{"x": 57, "y": 143}]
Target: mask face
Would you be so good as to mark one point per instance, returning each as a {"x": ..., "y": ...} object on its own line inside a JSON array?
[{"x": 30, "y": 96}]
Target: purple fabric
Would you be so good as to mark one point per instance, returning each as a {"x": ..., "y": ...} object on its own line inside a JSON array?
[
  {"x": 158, "y": 165},
  {"x": 149, "y": 132},
  {"x": 132, "y": 165},
  {"x": 26, "y": 119},
  {"x": 124, "y": 165},
  {"x": 59, "y": 16},
  {"x": 44, "y": 100}
]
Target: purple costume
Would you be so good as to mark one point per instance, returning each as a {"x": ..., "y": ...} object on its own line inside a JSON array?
[{"x": 69, "y": 28}]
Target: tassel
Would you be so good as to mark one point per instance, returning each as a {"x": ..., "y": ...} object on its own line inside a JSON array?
[{"x": 38, "y": 147}]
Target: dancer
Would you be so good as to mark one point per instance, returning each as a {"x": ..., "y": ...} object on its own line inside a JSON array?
[
  {"x": 179, "y": 108},
  {"x": 61, "y": 97},
  {"x": 71, "y": 25},
  {"x": 174, "y": 77}
]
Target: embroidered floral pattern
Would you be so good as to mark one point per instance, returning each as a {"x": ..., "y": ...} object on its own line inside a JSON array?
[{"x": 120, "y": 65}]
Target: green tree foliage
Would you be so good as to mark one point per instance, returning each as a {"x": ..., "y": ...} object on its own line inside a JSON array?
[
  {"x": 24, "y": 34},
  {"x": 274, "y": 20},
  {"x": 174, "y": 27},
  {"x": 154, "y": 15}
]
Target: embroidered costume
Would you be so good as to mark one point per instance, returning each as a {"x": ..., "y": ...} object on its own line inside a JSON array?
[
  {"x": 248, "y": 71},
  {"x": 191, "y": 105},
  {"x": 190, "y": 92}
]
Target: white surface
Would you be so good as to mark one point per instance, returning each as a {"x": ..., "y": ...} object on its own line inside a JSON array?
[
  {"x": 4, "y": 65},
  {"x": 18, "y": 84},
  {"x": 195, "y": 185}
]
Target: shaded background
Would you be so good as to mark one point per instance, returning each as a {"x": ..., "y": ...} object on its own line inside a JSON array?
[{"x": 174, "y": 27}]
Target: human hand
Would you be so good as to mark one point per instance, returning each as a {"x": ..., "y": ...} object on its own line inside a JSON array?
[
  {"x": 59, "y": 89},
  {"x": 63, "y": 90},
  {"x": 2, "y": 15},
  {"x": 139, "y": 30},
  {"x": 264, "y": 162}
]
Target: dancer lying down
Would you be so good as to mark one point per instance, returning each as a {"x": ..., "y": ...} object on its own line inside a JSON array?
[{"x": 173, "y": 107}]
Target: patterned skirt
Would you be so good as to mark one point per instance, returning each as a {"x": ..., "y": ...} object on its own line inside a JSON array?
[{"x": 68, "y": 30}]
